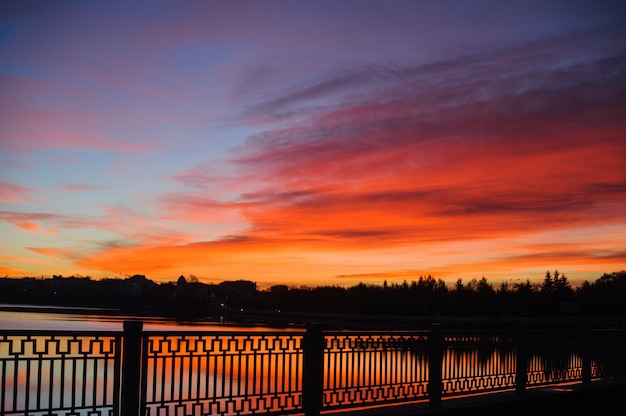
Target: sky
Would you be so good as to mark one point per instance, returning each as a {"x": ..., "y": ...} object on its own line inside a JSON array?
[{"x": 313, "y": 142}]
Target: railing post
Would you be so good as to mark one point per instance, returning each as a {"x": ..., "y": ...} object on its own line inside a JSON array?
[
  {"x": 435, "y": 361},
  {"x": 521, "y": 360},
  {"x": 131, "y": 368},
  {"x": 313, "y": 371},
  {"x": 586, "y": 339}
]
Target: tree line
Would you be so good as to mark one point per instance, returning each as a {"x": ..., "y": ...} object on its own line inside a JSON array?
[{"x": 427, "y": 296}]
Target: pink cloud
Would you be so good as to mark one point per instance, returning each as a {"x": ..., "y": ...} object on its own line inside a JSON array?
[
  {"x": 31, "y": 221},
  {"x": 27, "y": 222},
  {"x": 11, "y": 192},
  {"x": 80, "y": 187},
  {"x": 28, "y": 124}
]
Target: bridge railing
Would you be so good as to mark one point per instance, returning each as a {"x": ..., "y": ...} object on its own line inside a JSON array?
[
  {"x": 373, "y": 368},
  {"x": 479, "y": 362},
  {"x": 251, "y": 372},
  {"x": 222, "y": 373},
  {"x": 45, "y": 372}
]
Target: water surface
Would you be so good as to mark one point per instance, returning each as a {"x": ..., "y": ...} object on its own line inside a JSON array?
[{"x": 67, "y": 319}]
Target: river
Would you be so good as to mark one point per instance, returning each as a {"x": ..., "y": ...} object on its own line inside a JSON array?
[{"x": 32, "y": 317}]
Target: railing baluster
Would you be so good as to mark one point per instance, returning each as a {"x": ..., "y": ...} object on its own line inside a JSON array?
[
  {"x": 84, "y": 376},
  {"x": 95, "y": 387},
  {"x": 39, "y": 379}
]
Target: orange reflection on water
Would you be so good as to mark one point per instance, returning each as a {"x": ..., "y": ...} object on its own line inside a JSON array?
[
  {"x": 56, "y": 372},
  {"x": 361, "y": 369},
  {"x": 235, "y": 367}
]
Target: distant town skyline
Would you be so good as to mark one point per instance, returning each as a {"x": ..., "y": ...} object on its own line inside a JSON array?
[{"x": 313, "y": 143}]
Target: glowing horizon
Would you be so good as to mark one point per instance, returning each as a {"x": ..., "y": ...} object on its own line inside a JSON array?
[{"x": 313, "y": 143}]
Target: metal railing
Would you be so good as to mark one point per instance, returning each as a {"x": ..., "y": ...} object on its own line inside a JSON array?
[
  {"x": 222, "y": 373},
  {"x": 479, "y": 362},
  {"x": 374, "y": 368},
  {"x": 44, "y": 373},
  {"x": 290, "y": 372}
]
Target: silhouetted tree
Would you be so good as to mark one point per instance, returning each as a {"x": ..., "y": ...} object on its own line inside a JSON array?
[
  {"x": 548, "y": 283},
  {"x": 605, "y": 296}
]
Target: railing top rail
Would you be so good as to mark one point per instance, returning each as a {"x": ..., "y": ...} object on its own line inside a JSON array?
[
  {"x": 254, "y": 332},
  {"x": 241, "y": 333},
  {"x": 351, "y": 332},
  {"x": 62, "y": 333}
]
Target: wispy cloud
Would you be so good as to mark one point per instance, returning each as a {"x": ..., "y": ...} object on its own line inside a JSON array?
[
  {"x": 32, "y": 221},
  {"x": 25, "y": 221},
  {"x": 13, "y": 271},
  {"x": 80, "y": 187},
  {"x": 58, "y": 253},
  {"x": 12, "y": 192}
]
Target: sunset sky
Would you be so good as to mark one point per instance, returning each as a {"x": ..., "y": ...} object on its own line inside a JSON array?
[{"x": 313, "y": 142}]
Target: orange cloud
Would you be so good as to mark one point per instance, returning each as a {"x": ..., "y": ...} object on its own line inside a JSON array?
[
  {"x": 24, "y": 221},
  {"x": 58, "y": 253},
  {"x": 12, "y": 271}
]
